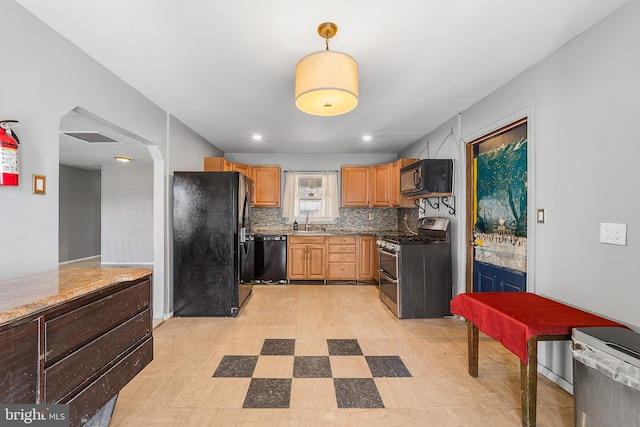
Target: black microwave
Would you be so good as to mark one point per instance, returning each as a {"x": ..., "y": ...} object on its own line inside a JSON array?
[{"x": 427, "y": 178}]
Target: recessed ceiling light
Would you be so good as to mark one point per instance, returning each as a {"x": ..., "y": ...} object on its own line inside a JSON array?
[
  {"x": 257, "y": 137},
  {"x": 123, "y": 159},
  {"x": 366, "y": 138}
]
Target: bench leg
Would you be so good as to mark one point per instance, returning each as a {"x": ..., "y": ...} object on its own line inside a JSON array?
[
  {"x": 529, "y": 384},
  {"x": 472, "y": 348}
]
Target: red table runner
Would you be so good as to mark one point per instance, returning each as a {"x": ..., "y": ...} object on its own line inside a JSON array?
[{"x": 514, "y": 317}]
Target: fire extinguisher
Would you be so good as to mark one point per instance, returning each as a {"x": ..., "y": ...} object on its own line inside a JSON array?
[{"x": 8, "y": 154}]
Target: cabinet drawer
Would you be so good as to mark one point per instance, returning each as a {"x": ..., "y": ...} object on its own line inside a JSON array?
[
  {"x": 314, "y": 240},
  {"x": 338, "y": 257},
  {"x": 342, "y": 271},
  {"x": 85, "y": 404},
  {"x": 342, "y": 249},
  {"x": 342, "y": 240},
  {"x": 80, "y": 366},
  {"x": 70, "y": 331}
]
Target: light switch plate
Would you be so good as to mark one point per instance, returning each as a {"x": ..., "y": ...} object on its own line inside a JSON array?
[
  {"x": 613, "y": 234},
  {"x": 542, "y": 216}
]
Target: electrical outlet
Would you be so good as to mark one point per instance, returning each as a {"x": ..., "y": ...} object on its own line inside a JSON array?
[
  {"x": 613, "y": 234},
  {"x": 370, "y": 216}
]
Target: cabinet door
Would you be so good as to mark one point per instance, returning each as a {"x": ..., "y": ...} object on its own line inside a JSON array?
[
  {"x": 367, "y": 258},
  {"x": 297, "y": 262},
  {"x": 243, "y": 169},
  {"x": 395, "y": 183},
  {"x": 19, "y": 363},
  {"x": 267, "y": 186},
  {"x": 381, "y": 184},
  {"x": 356, "y": 186},
  {"x": 315, "y": 262}
]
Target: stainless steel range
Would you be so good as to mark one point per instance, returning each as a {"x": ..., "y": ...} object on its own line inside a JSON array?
[{"x": 415, "y": 270}]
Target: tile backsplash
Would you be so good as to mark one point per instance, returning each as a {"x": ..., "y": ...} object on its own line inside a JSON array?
[{"x": 351, "y": 219}]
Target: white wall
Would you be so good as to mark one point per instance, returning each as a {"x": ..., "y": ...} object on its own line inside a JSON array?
[
  {"x": 186, "y": 153},
  {"x": 127, "y": 214},
  {"x": 79, "y": 213},
  {"x": 444, "y": 143},
  {"x": 585, "y": 98},
  {"x": 49, "y": 77}
]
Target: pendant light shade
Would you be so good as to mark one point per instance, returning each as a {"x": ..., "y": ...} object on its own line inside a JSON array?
[{"x": 327, "y": 81}]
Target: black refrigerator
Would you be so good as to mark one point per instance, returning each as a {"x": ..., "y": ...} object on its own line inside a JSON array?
[{"x": 212, "y": 243}]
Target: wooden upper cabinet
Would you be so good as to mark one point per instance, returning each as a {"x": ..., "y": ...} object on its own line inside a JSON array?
[
  {"x": 266, "y": 180},
  {"x": 217, "y": 164},
  {"x": 220, "y": 164},
  {"x": 395, "y": 183},
  {"x": 381, "y": 185},
  {"x": 246, "y": 170},
  {"x": 397, "y": 200},
  {"x": 356, "y": 183}
]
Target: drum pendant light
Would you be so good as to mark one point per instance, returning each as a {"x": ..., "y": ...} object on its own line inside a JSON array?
[{"x": 327, "y": 81}]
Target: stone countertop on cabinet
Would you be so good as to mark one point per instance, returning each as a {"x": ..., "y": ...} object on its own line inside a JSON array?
[
  {"x": 341, "y": 232},
  {"x": 28, "y": 295}
]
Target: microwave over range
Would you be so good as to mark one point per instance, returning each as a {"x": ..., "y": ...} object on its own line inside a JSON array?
[{"x": 427, "y": 178}]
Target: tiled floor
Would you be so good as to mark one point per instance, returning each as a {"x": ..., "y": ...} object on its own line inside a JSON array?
[{"x": 315, "y": 355}]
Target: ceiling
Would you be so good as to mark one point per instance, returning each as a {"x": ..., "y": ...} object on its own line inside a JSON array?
[
  {"x": 80, "y": 153},
  {"x": 226, "y": 68}
]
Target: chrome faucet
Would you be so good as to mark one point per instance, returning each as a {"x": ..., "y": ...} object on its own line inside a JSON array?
[{"x": 306, "y": 222}]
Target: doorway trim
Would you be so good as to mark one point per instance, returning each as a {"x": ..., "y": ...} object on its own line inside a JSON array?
[{"x": 528, "y": 114}]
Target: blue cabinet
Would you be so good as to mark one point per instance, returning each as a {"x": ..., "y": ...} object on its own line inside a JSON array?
[{"x": 491, "y": 278}]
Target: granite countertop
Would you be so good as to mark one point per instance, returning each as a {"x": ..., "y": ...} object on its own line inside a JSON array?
[
  {"x": 318, "y": 232},
  {"x": 27, "y": 295}
]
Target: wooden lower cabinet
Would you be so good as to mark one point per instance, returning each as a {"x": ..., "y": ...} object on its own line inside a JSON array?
[
  {"x": 342, "y": 257},
  {"x": 367, "y": 258},
  {"x": 306, "y": 258},
  {"x": 19, "y": 352},
  {"x": 91, "y": 348}
]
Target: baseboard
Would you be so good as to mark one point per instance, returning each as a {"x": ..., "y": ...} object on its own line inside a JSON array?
[
  {"x": 79, "y": 260},
  {"x": 564, "y": 384}
]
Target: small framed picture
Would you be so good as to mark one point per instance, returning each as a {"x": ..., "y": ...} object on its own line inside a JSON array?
[{"x": 39, "y": 184}]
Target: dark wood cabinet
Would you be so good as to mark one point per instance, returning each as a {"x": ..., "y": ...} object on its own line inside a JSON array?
[
  {"x": 19, "y": 363},
  {"x": 81, "y": 352}
]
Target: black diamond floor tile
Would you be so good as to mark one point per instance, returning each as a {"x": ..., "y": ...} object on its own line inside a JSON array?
[
  {"x": 357, "y": 393},
  {"x": 278, "y": 347},
  {"x": 236, "y": 366},
  {"x": 311, "y": 367},
  {"x": 344, "y": 347},
  {"x": 387, "y": 366},
  {"x": 268, "y": 393}
]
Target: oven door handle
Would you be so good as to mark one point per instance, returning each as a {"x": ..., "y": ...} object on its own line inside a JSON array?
[
  {"x": 383, "y": 252},
  {"x": 386, "y": 276}
]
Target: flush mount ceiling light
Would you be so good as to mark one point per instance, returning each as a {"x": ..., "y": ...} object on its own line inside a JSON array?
[
  {"x": 123, "y": 159},
  {"x": 327, "y": 81}
]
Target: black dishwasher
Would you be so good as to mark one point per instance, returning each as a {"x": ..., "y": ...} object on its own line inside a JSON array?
[{"x": 270, "y": 258}]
